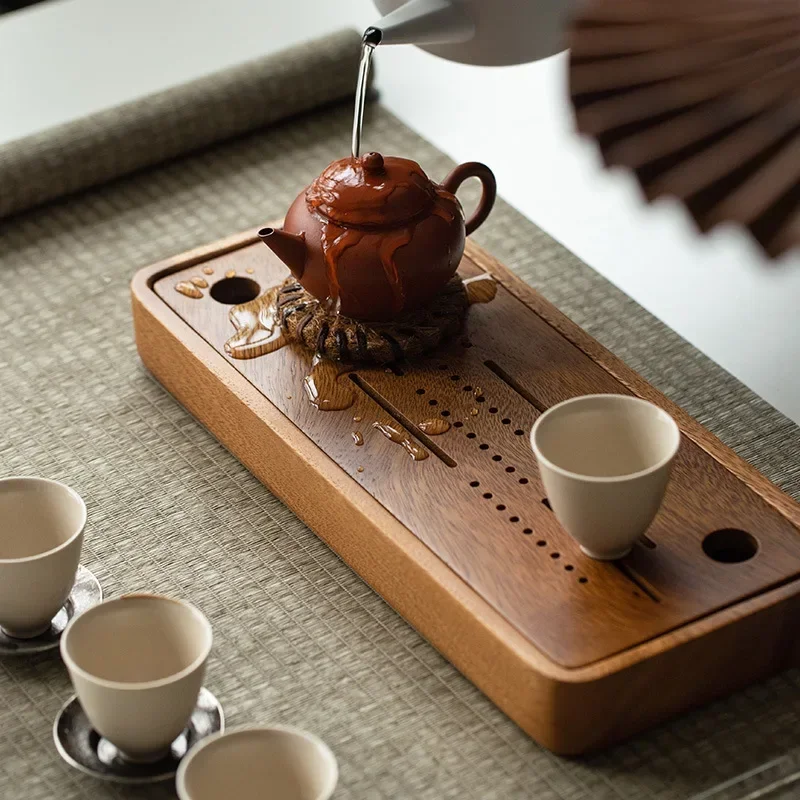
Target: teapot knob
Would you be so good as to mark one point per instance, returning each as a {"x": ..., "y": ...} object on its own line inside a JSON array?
[{"x": 373, "y": 163}]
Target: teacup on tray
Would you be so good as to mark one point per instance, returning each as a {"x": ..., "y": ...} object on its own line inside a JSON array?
[
  {"x": 605, "y": 462},
  {"x": 41, "y": 534},
  {"x": 137, "y": 664}
]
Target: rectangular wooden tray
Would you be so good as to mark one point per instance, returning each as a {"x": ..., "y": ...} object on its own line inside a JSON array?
[{"x": 578, "y": 652}]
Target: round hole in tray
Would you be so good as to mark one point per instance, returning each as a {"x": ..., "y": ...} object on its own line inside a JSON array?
[
  {"x": 445, "y": 413},
  {"x": 475, "y": 484},
  {"x": 488, "y": 495},
  {"x": 233, "y": 291},
  {"x": 484, "y": 446},
  {"x": 420, "y": 391},
  {"x": 513, "y": 519},
  {"x": 518, "y": 432},
  {"x": 569, "y": 567},
  {"x": 467, "y": 388},
  {"x": 730, "y": 546},
  {"x": 583, "y": 580},
  {"x": 492, "y": 410},
  {"x": 455, "y": 377},
  {"x": 458, "y": 424},
  {"x": 497, "y": 458},
  {"x": 433, "y": 402},
  {"x": 471, "y": 435},
  {"x": 528, "y": 531},
  {"x": 501, "y": 507},
  {"x": 511, "y": 469},
  {"x": 541, "y": 543},
  {"x": 506, "y": 421},
  {"x": 523, "y": 481},
  {"x": 480, "y": 399}
]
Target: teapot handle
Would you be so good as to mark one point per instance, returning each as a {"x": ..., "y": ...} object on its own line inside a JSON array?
[{"x": 474, "y": 169}]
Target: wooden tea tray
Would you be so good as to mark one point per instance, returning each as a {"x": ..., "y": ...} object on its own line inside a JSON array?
[{"x": 578, "y": 652}]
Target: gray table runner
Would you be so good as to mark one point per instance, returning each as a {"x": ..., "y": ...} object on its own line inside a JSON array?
[{"x": 300, "y": 639}]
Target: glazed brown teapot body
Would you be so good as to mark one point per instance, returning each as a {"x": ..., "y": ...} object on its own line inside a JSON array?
[{"x": 375, "y": 236}]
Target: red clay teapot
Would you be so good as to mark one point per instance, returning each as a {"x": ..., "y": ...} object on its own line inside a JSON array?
[{"x": 376, "y": 236}]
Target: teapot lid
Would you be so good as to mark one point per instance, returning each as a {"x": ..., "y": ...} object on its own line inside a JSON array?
[{"x": 371, "y": 191}]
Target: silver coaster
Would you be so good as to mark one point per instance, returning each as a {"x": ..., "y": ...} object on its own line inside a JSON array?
[
  {"x": 86, "y": 593},
  {"x": 83, "y": 748}
]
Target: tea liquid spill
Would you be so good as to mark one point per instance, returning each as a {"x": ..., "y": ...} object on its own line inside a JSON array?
[
  {"x": 416, "y": 451},
  {"x": 258, "y": 328},
  {"x": 324, "y": 389},
  {"x": 434, "y": 427},
  {"x": 188, "y": 289},
  {"x": 480, "y": 289}
]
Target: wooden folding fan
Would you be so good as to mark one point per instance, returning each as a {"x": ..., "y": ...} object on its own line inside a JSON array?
[{"x": 701, "y": 98}]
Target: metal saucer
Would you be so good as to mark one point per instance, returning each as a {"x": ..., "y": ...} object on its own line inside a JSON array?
[
  {"x": 86, "y": 593},
  {"x": 83, "y": 748}
]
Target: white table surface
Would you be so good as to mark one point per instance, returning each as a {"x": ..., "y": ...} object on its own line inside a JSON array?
[{"x": 66, "y": 58}]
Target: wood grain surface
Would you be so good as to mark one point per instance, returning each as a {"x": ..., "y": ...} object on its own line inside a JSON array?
[
  {"x": 508, "y": 545},
  {"x": 508, "y": 596}
]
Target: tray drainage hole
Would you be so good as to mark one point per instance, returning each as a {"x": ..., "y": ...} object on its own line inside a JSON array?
[
  {"x": 487, "y": 495},
  {"x": 511, "y": 469},
  {"x": 523, "y": 481},
  {"x": 541, "y": 543},
  {"x": 458, "y": 424},
  {"x": 455, "y": 377},
  {"x": 583, "y": 580},
  {"x": 569, "y": 568},
  {"x": 730, "y": 546},
  {"x": 484, "y": 446},
  {"x": 555, "y": 555},
  {"x": 546, "y": 503},
  {"x": 501, "y": 507},
  {"x": 492, "y": 410},
  {"x": 445, "y": 413},
  {"x": 513, "y": 519},
  {"x": 519, "y": 432},
  {"x": 433, "y": 402},
  {"x": 420, "y": 391},
  {"x": 497, "y": 458},
  {"x": 506, "y": 421},
  {"x": 467, "y": 388},
  {"x": 232, "y": 291},
  {"x": 480, "y": 399},
  {"x": 471, "y": 435},
  {"x": 475, "y": 484},
  {"x": 528, "y": 531}
]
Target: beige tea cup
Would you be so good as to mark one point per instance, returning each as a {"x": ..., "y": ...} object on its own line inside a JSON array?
[
  {"x": 137, "y": 664},
  {"x": 274, "y": 763},
  {"x": 41, "y": 534},
  {"x": 605, "y": 461}
]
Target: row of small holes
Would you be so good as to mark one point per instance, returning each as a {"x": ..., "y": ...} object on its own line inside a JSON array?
[
  {"x": 475, "y": 484},
  {"x": 528, "y": 531}
]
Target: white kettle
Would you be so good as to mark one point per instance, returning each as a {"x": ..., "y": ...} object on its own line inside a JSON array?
[{"x": 482, "y": 32}]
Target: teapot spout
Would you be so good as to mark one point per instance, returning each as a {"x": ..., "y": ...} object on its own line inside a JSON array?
[{"x": 289, "y": 247}]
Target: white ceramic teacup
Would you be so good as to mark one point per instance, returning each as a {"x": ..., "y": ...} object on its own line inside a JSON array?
[
  {"x": 605, "y": 461},
  {"x": 274, "y": 763},
  {"x": 137, "y": 664},
  {"x": 41, "y": 534}
]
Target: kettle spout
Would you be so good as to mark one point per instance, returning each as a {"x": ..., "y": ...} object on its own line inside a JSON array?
[
  {"x": 289, "y": 247},
  {"x": 423, "y": 22}
]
